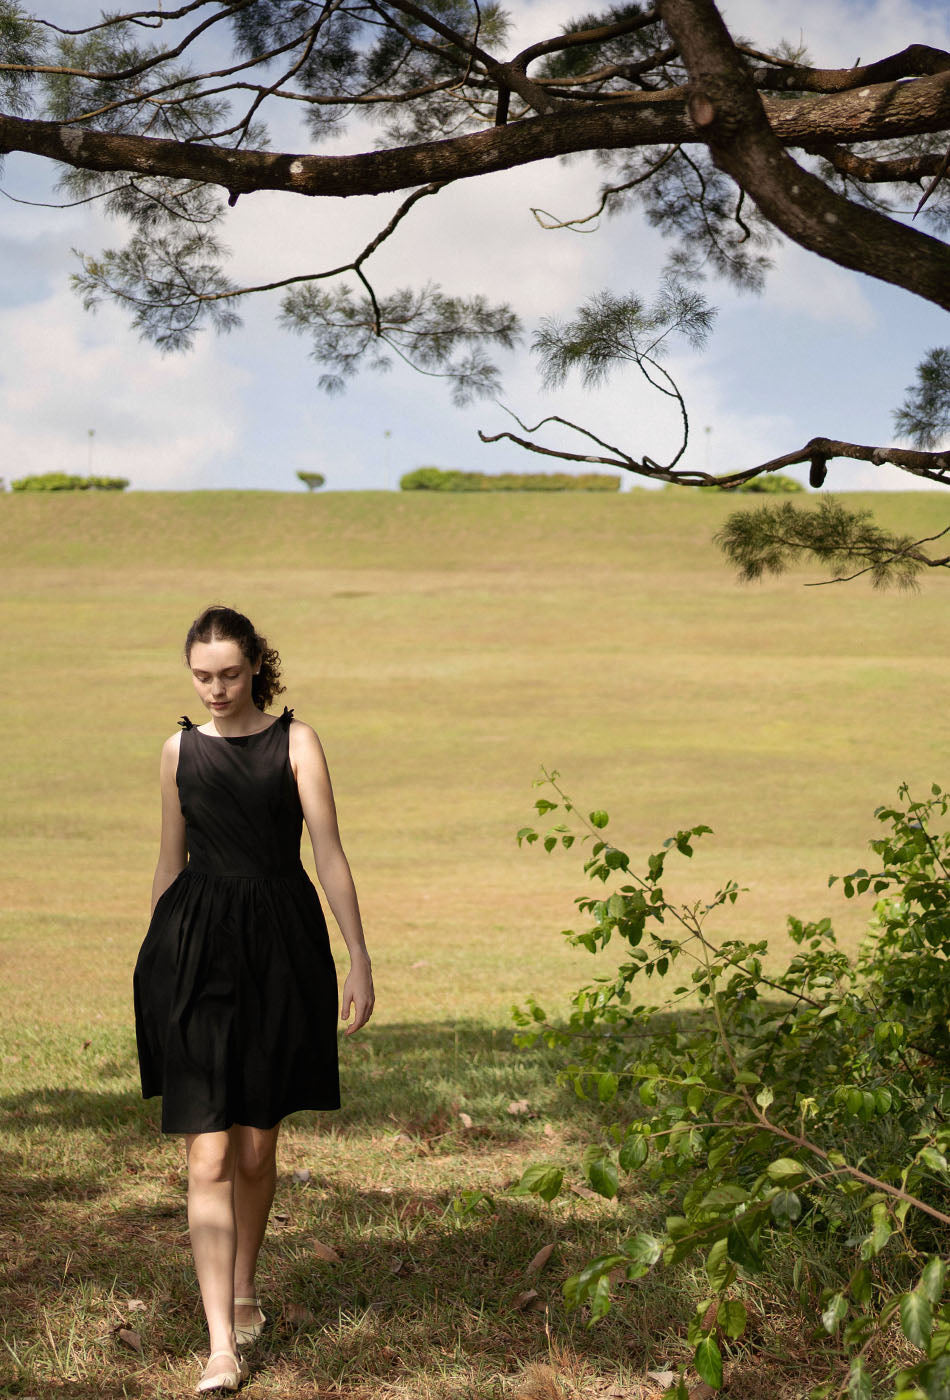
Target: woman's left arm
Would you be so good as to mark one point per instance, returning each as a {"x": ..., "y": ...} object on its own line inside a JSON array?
[{"x": 333, "y": 871}]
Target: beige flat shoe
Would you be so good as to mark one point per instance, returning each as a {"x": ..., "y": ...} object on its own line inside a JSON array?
[
  {"x": 225, "y": 1377},
  {"x": 248, "y": 1332}
]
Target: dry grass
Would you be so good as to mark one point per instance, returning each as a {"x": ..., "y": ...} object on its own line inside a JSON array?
[{"x": 443, "y": 648}]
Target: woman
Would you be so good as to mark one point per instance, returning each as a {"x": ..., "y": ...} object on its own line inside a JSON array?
[{"x": 235, "y": 987}]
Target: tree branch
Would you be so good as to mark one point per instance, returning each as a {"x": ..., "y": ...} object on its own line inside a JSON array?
[
  {"x": 912, "y": 62},
  {"x": 640, "y": 119},
  {"x": 726, "y": 107},
  {"x": 933, "y": 466}
]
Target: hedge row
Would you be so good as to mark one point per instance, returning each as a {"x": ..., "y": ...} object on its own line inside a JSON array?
[
  {"x": 61, "y": 481},
  {"x": 435, "y": 479}
]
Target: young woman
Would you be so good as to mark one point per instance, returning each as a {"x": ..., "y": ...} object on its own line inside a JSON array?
[{"x": 235, "y": 986}]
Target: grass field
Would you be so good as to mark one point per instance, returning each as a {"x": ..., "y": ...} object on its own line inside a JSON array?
[{"x": 443, "y": 648}]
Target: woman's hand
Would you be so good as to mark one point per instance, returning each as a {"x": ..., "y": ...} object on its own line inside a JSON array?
[{"x": 358, "y": 995}]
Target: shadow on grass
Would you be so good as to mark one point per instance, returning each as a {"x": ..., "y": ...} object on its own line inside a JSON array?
[
  {"x": 393, "y": 1074},
  {"x": 92, "y": 1198}
]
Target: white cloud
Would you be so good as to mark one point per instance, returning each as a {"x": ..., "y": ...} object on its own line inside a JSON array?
[
  {"x": 245, "y": 410},
  {"x": 161, "y": 421}
]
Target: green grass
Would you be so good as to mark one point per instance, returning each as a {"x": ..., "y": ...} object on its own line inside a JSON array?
[{"x": 443, "y": 648}]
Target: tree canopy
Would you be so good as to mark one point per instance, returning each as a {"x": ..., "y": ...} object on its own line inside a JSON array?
[{"x": 166, "y": 116}]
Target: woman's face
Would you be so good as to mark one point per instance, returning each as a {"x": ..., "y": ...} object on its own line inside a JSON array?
[{"x": 222, "y": 675}]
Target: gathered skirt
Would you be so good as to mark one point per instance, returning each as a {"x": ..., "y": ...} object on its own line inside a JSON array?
[{"x": 236, "y": 1002}]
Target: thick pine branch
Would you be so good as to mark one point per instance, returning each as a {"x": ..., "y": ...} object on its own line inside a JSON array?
[{"x": 726, "y": 106}]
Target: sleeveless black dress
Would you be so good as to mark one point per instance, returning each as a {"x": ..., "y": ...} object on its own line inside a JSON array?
[{"x": 234, "y": 987}]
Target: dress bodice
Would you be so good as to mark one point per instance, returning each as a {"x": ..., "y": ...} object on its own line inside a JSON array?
[{"x": 240, "y": 802}]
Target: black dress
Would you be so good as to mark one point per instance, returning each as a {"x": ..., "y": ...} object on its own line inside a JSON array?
[{"x": 235, "y": 987}]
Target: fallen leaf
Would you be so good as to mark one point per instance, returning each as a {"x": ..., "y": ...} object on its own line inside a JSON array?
[
  {"x": 135, "y": 1305},
  {"x": 701, "y": 1391},
  {"x": 465, "y": 1120},
  {"x": 402, "y": 1137},
  {"x": 664, "y": 1378},
  {"x": 548, "y": 1130},
  {"x": 302, "y": 1174},
  {"x": 518, "y": 1106},
  {"x": 586, "y": 1192},
  {"x": 528, "y": 1299},
  {"x": 540, "y": 1259},
  {"x": 397, "y": 1266},
  {"x": 325, "y": 1251},
  {"x": 281, "y": 1217},
  {"x": 298, "y": 1315},
  {"x": 131, "y": 1339},
  {"x": 422, "y": 963}
]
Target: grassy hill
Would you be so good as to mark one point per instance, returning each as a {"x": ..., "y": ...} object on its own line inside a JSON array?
[{"x": 444, "y": 648}]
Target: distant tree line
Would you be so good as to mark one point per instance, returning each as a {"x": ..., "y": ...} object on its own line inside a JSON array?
[
  {"x": 437, "y": 479},
  {"x": 62, "y": 481}
]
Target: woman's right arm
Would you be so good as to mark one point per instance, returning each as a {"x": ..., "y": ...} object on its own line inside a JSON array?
[{"x": 173, "y": 853}]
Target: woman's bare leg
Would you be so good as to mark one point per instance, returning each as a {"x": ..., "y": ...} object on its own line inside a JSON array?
[
  {"x": 255, "y": 1177},
  {"x": 211, "y": 1165}
]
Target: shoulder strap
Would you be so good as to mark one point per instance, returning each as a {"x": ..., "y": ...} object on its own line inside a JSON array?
[{"x": 185, "y": 722}]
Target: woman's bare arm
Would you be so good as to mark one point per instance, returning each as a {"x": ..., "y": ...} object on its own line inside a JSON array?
[
  {"x": 173, "y": 852},
  {"x": 333, "y": 871}
]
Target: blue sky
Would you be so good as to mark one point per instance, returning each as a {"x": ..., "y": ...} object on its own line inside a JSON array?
[{"x": 824, "y": 351}]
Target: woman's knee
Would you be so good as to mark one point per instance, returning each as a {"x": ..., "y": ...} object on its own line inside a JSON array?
[
  {"x": 210, "y": 1158},
  {"x": 255, "y": 1154}
]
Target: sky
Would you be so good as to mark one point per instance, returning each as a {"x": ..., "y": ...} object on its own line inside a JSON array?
[{"x": 823, "y": 352}]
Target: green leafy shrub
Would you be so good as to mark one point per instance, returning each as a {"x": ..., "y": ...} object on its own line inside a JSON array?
[
  {"x": 772, "y": 484},
  {"x": 312, "y": 480},
  {"x": 62, "y": 481},
  {"x": 808, "y": 1105},
  {"x": 436, "y": 479}
]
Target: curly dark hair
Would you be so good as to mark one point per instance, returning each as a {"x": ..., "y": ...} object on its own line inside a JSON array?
[{"x": 222, "y": 624}]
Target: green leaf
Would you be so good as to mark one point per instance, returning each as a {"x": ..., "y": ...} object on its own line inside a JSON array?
[
  {"x": 723, "y": 1198},
  {"x": 932, "y": 1158},
  {"x": 786, "y": 1171},
  {"x": 732, "y": 1317},
  {"x": 859, "y": 1382},
  {"x": 644, "y": 1249},
  {"x": 603, "y": 1177},
  {"x": 860, "y": 1284},
  {"x": 634, "y": 1152},
  {"x": 708, "y": 1362},
  {"x": 542, "y": 1179},
  {"x": 932, "y": 1280},
  {"x": 834, "y": 1312},
  {"x": 786, "y": 1207},
  {"x": 599, "y": 819},
  {"x": 719, "y": 1268},
  {"x": 607, "y": 1087},
  {"x": 917, "y": 1318},
  {"x": 741, "y": 1248},
  {"x": 599, "y": 1298}
]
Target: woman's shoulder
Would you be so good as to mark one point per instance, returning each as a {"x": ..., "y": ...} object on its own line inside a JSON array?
[
  {"x": 304, "y": 743},
  {"x": 297, "y": 728}
]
